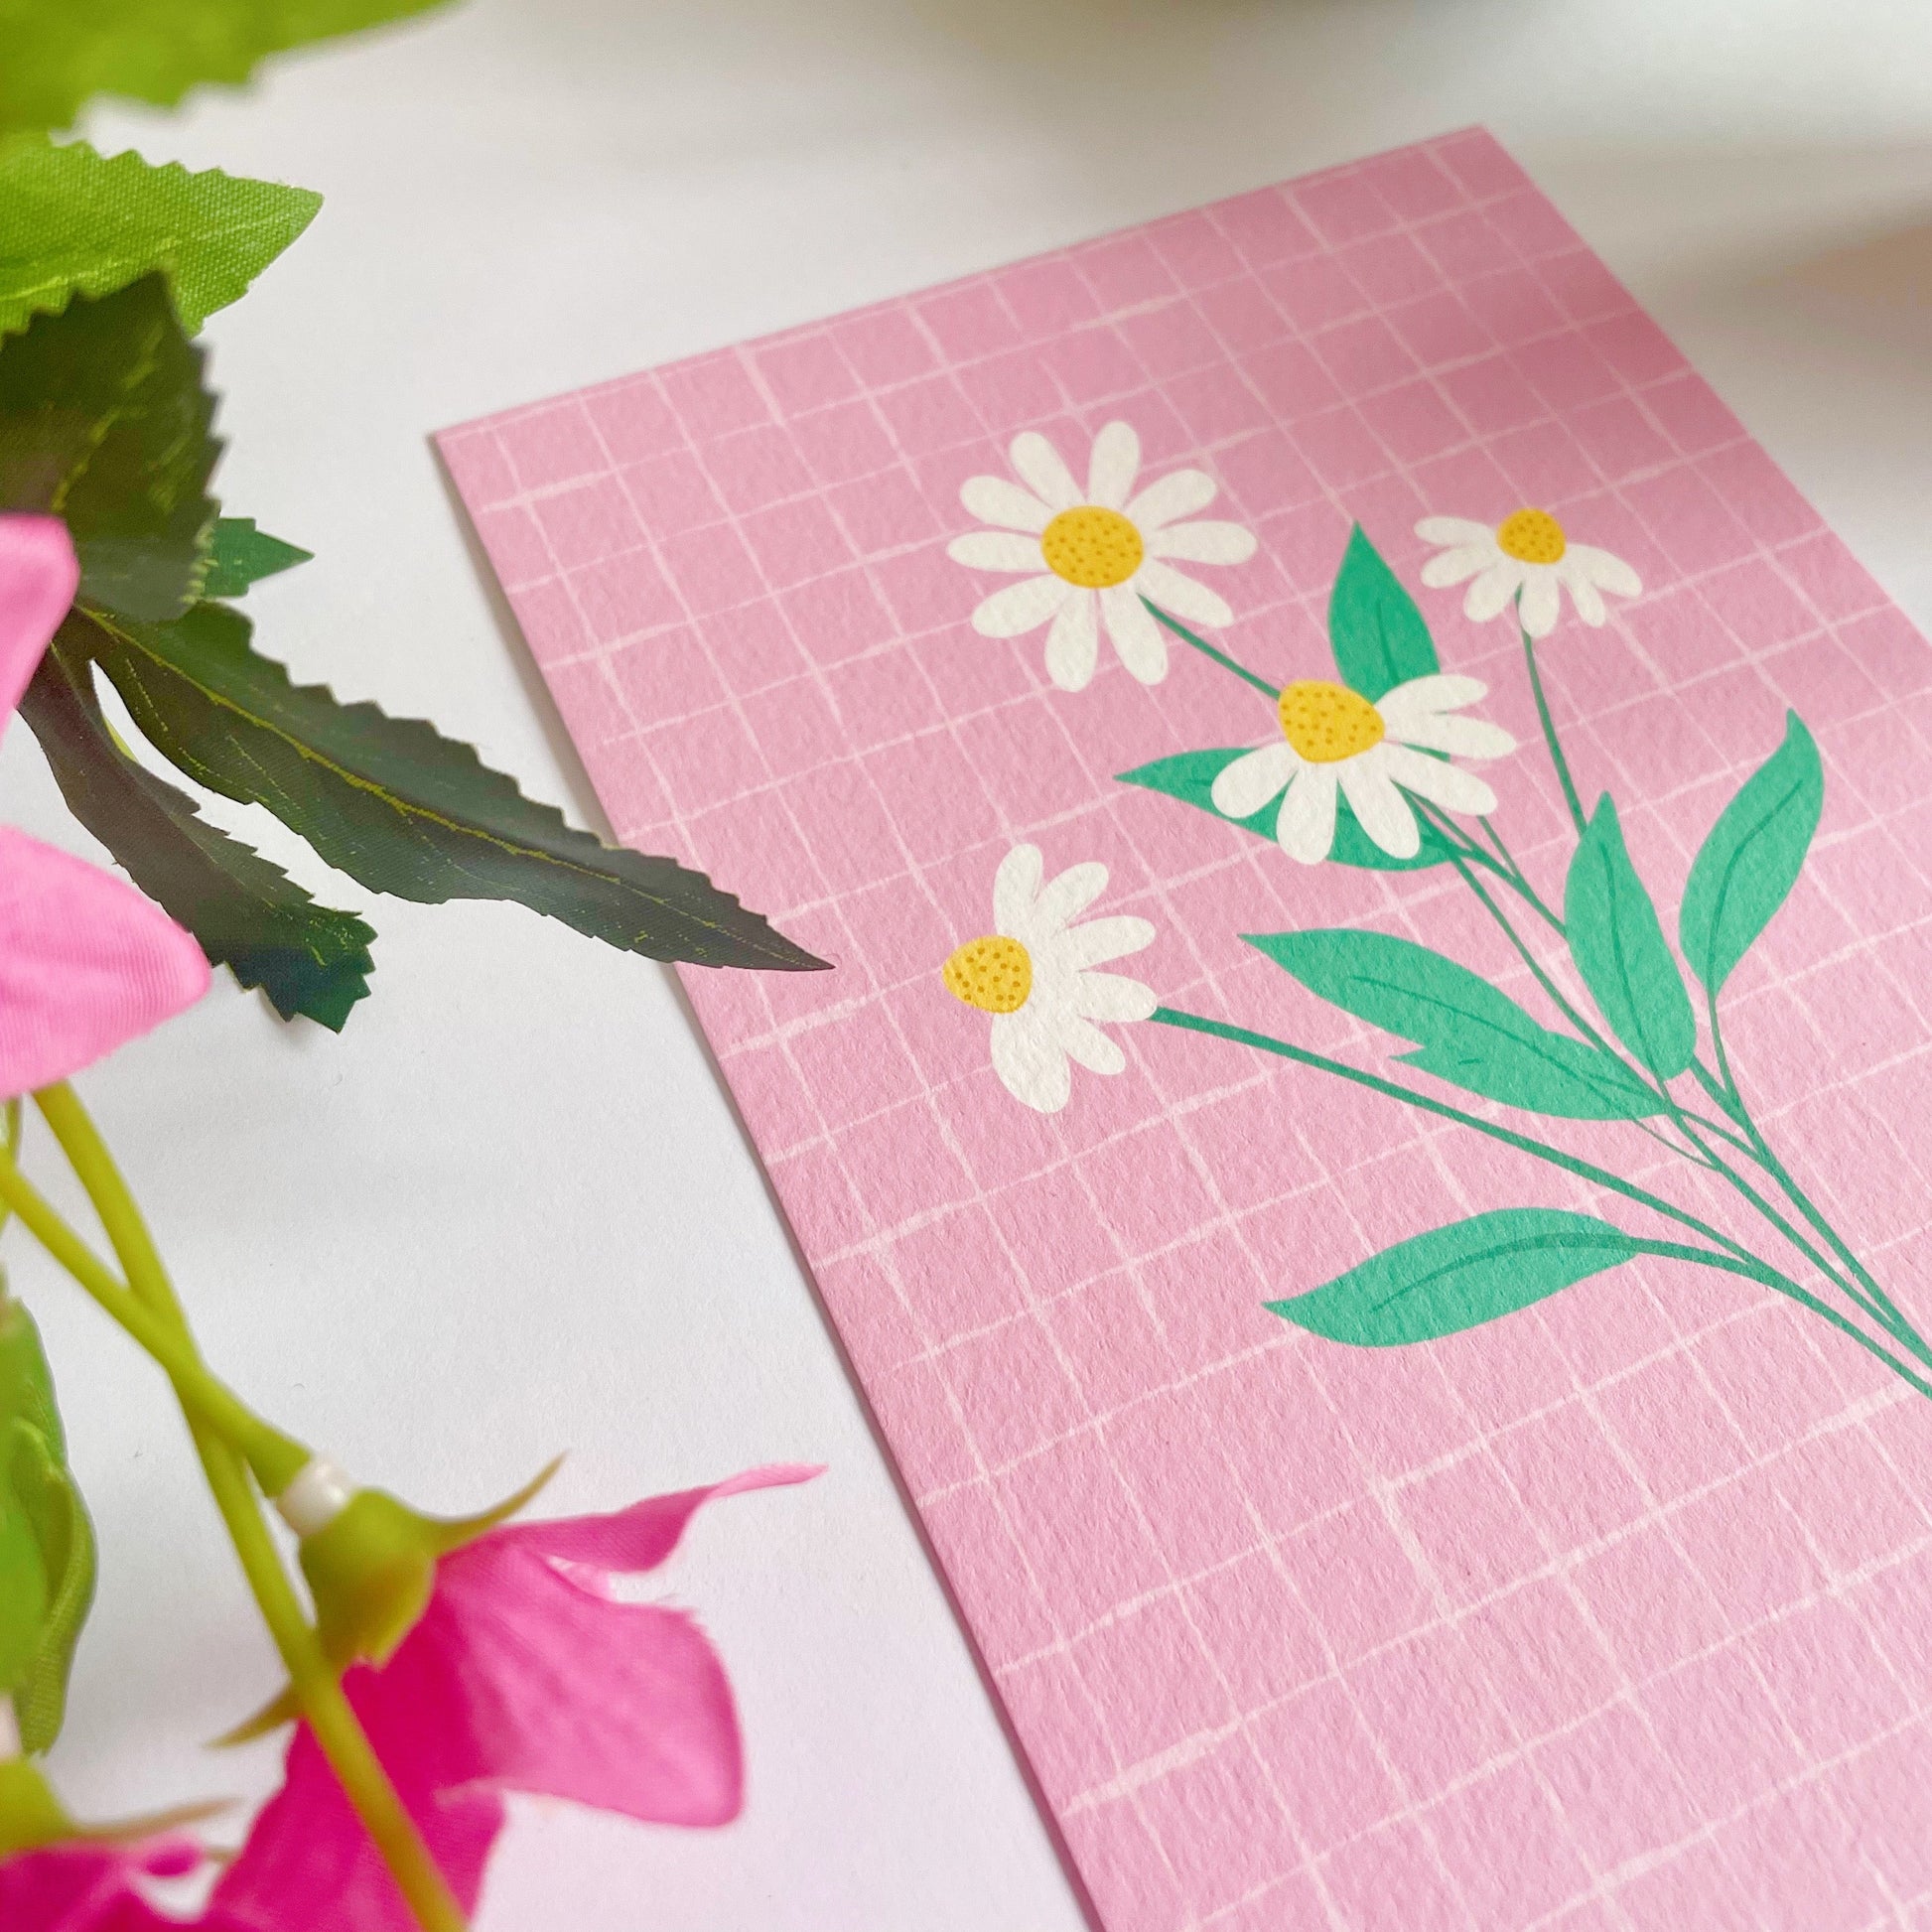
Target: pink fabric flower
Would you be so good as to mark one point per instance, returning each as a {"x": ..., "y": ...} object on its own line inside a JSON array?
[
  {"x": 86, "y": 963},
  {"x": 523, "y": 1674},
  {"x": 87, "y": 1886}
]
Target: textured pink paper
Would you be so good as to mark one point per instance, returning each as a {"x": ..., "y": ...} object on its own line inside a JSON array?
[{"x": 1610, "y": 1614}]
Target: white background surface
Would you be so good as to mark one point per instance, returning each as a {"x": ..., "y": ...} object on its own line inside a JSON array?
[{"x": 510, "y": 1210}]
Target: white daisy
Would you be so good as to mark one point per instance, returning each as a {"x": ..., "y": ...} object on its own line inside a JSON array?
[
  {"x": 1335, "y": 741},
  {"x": 1032, "y": 974},
  {"x": 1524, "y": 559},
  {"x": 1102, "y": 553}
]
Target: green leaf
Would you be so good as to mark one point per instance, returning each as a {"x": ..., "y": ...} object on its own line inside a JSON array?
[
  {"x": 26, "y": 1381},
  {"x": 23, "y": 1592},
  {"x": 1379, "y": 637},
  {"x": 247, "y": 913},
  {"x": 1459, "y": 1277},
  {"x": 1619, "y": 949},
  {"x": 71, "y": 220},
  {"x": 1465, "y": 1032},
  {"x": 401, "y": 808},
  {"x": 60, "y": 53},
  {"x": 1748, "y": 864},
  {"x": 49, "y": 1499},
  {"x": 104, "y": 421},
  {"x": 243, "y": 555},
  {"x": 1189, "y": 777}
]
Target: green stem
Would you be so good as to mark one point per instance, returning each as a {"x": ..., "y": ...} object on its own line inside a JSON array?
[
  {"x": 330, "y": 1716},
  {"x": 1220, "y": 657},
  {"x": 1551, "y": 739}
]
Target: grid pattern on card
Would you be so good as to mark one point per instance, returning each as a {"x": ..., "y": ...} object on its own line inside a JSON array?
[{"x": 1608, "y": 1616}]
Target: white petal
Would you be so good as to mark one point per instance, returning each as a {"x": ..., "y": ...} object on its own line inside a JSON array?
[
  {"x": 1587, "y": 599},
  {"x": 1115, "y": 463},
  {"x": 1306, "y": 829},
  {"x": 1113, "y": 996},
  {"x": 1380, "y": 809},
  {"x": 1181, "y": 597},
  {"x": 1020, "y": 608},
  {"x": 1241, "y": 790},
  {"x": 1427, "y": 697},
  {"x": 1179, "y": 493},
  {"x": 1073, "y": 643},
  {"x": 1085, "y": 1043},
  {"x": 1448, "y": 785},
  {"x": 1004, "y": 504},
  {"x": 1489, "y": 595},
  {"x": 1449, "y": 567},
  {"x": 1540, "y": 605},
  {"x": 1455, "y": 529},
  {"x": 1040, "y": 467},
  {"x": 1608, "y": 573},
  {"x": 1014, "y": 887},
  {"x": 1136, "y": 636},
  {"x": 1202, "y": 543},
  {"x": 1063, "y": 898},
  {"x": 1100, "y": 940},
  {"x": 1027, "y": 1056},
  {"x": 995, "y": 550},
  {"x": 1461, "y": 738}
]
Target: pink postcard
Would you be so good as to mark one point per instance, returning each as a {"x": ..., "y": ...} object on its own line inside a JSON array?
[{"x": 1367, "y": 1138}]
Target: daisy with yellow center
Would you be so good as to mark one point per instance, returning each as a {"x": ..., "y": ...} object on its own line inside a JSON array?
[
  {"x": 1336, "y": 743},
  {"x": 1088, "y": 558},
  {"x": 1032, "y": 975},
  {"x": 1527, "y": 560}
]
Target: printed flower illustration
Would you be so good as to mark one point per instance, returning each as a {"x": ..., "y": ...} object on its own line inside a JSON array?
[
  {"x": 1034, "y": 975},
  {"x": 86, "y": 963},
  {"x": 1528, "y": 560},
  {"x": 1335, "y": 741},
  {"x": 1090, "y": 557}
]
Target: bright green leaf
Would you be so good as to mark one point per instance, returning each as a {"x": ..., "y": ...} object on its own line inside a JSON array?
[
  {"x": 104, "y": 421},
  {"x": 1189, "y": 777},
  {"x": 71, "y": 220},
  {"x": 243, "y": 555},
  {"x": 401, "y": 808},
  {"x": 1465, "y": 1032},
  {"x": 60, "y": 53},
  {"x": 1748, "y": 864},
  {"x": 26, "y": 1381},
  {"x": 1619, "y": 949},
  {"x": 1459, "y": 1277},
  {"x": 1379, "y": 637},
  {"x": 23, "y": 1592},
  {"x": 49, "y": 1498},
  {"x": 247, "y": 913}
]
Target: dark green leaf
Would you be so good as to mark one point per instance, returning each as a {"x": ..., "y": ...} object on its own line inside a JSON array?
[
  {"x": 104, "y": 421},
  {"x": 247, "y": 913},
  {"x": 1189, "y": 777},
  {"x": 70, "y": 219},
  {"x": 401, "y": 808},
  {"x": 1465, "y": 1032},
  {"x": 1379, "y": 637},
  {"x": 1748, "y": 864},
  {"x": 1619, "y": 949},
  {"x": 47, "y": 1495},
  {"x": 243, "y": 555},
  {"x": 1459, "y": 1277}
]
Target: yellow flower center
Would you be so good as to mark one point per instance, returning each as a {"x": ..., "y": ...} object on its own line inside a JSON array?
[
  {"x": 995, "y": 974},
  {"x": 1532, "y": 537},
  {"x": 1326, "y": 722},
  {"x": 1092, "y": 547}
]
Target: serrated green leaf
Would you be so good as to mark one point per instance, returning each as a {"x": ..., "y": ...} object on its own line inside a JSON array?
[
  {"x": 73, "y": 219},
  {"x": 241, "y": 555},
  {"x": 1458, "y": 1277},
  {"x": 61, "y": 53},
  {"x": 1465, "y": 1032},
  {"x": 1189, "y": 777},
  {"x": 1746, "y": 869},
  {"x": 1378, "y": 634},
  {"x": 104, "y": 421},
  {"x": 401, "y": 808},
  {"x": 247, "y": 913},
  {"x": 1619, "y": 949},
  {"x": 49, "y": 1499}
]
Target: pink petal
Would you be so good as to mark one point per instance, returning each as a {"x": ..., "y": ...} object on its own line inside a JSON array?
[
  {"x": 87, "y": 1887},
  {"x": 38, "y": 579},
  {"x": 308, "y": 1863},
  {"x": 85, "y": 964}
]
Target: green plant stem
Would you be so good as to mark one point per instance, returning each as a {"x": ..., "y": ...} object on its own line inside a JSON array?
[
  {"x": 1228, "y": 663},
  {"x": 1550, "y": 738},
  {"x": 317, "y": 1690}
]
